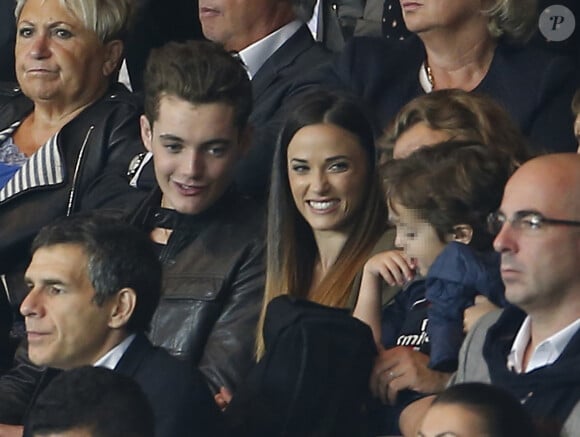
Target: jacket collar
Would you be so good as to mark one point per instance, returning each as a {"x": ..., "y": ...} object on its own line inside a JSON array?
[
  {"x": 43, "y": 168},
  {"x": 151, "y": 215},
  {"x": 297, "y": 44}
]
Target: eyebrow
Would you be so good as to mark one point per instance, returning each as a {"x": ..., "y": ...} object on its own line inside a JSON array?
[
  {"x": 213, "y": 141},
  {"x": 329, "y": 159},
  {"x": 50, "y": 25},
  {"x": 171, "y": 137},
  {"x": 45, "y": 282},
  {"x": 522, "y": 212}
]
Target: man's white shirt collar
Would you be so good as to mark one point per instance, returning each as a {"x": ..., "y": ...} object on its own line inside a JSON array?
[
  {"x": 545, "y": 353},
  {"x": 256, "y": 54},
  {"x": 112, "y": 358}
]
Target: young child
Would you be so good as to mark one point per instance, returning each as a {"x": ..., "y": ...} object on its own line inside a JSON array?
[{"x": 439, "y": 199}]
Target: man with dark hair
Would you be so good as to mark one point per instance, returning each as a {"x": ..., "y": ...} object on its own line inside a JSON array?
[
  {"x": 277, "y": 48},
  {"x": 209, "y": 237},
  {"x": 91, "y": 402},
  {"x": 94, "y": 284}
]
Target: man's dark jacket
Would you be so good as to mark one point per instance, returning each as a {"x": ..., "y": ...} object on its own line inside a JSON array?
[
  {"x": 213, "y": 284},
  {"x": 278, "y": 81},
  {"x": 181, "y": 401},
  {"x": 155, "y": 23}
]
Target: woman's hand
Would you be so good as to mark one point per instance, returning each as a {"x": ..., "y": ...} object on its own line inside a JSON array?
[
  {"x": 473, "y": 313},
  {"x": 401, "y": 368},
  {"x": 222, "y": 399},
  {"x": 393, "y": 266}
]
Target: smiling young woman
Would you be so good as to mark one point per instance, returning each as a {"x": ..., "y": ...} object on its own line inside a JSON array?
[{"x": 326, "y": 209}]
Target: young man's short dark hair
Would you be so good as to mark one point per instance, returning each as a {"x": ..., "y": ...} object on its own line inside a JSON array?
[
  {"x": 198, "y": 72},
  {"x": 98, "y": 401}
]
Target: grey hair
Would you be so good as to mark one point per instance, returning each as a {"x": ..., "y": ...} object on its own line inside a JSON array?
[
  {"x": 515, "y": 20},
  {"x": 109, "y": 19},
  {"x": 303, "y": 9}
]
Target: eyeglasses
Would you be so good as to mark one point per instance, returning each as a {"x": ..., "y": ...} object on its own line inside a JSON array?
[{"x": 524, "y": 220}]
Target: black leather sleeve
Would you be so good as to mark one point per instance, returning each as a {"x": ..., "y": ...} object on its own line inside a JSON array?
[
  {"x": 229, "y": 351},
  {"x": 17, "y": 388}
]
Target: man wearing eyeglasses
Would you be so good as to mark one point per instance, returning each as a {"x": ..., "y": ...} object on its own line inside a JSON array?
[{"x": 532, "y": 349}]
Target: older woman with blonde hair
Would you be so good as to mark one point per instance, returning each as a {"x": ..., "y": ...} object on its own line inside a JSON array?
[
  {"x": 68, "y": 132},
  {"x": 473, "y": 45}
]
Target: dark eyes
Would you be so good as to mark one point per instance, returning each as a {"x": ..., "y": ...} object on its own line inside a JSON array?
[
  {"x": 338, "y": 167},
  {"x": 173, "y": 148},
  {"x": 25, "y": 32},
  {"x": 63, "y": 33},
  {"x": 299, "y": 168},
  {"x": 335, "y": 167},
  {"x": 55, "y": 290},
  {"x": 59, "y": 32},
  {"x": 215, "y": 151},
  {"x": 531, "y": 221}
]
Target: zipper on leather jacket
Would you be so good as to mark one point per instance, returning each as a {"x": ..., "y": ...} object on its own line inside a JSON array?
[
  {"x": 72, "y": 193},
  {"x": 4, "y": 283}
]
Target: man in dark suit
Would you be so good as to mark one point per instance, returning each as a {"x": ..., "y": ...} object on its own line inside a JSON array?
[
  {"x": 155, "y": 23},
  {"x": 94, "y": 285},
  {"x": 277, "y": 48},
  {"x": 343, "y": 19}
]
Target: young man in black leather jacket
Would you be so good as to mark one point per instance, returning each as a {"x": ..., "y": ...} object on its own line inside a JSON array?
[{"x": 210, "y": 238}]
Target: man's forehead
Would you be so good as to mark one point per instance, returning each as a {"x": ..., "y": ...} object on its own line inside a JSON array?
[
  {"x": 58, "y": 259},
  {"x": 542, "y": 187}
]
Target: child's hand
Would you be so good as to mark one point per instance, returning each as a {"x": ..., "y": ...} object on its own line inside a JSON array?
[
  {"x": 473, "y": 313},
  {"x": 393, "y": 266}
]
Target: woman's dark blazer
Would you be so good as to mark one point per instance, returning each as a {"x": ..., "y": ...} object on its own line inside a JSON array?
[{"x": 534, "y": 85}]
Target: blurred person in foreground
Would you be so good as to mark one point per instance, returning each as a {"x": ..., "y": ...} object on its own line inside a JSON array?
[{"x": 91, "y": 402}]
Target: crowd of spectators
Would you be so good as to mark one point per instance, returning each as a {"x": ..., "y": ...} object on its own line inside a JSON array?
[{"x": 168, "y": 170}]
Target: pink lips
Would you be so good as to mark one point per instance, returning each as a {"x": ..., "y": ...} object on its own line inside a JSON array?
[
  {"x": 188, "y": 190},
  {"x": 34, "y": 336},
  {"x": 508, "y": 273},
  {"x": 410, "y": 6},
  {"x": 323, "y": 206},
  {"x": 39, "y": 71},
  {"x": 207, "y": 12}
]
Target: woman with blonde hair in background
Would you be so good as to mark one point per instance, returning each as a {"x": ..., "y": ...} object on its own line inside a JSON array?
[{"x": 473, "y": 45}]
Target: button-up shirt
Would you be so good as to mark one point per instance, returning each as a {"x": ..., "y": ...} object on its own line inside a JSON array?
[{"x": 545, "y": 353}]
